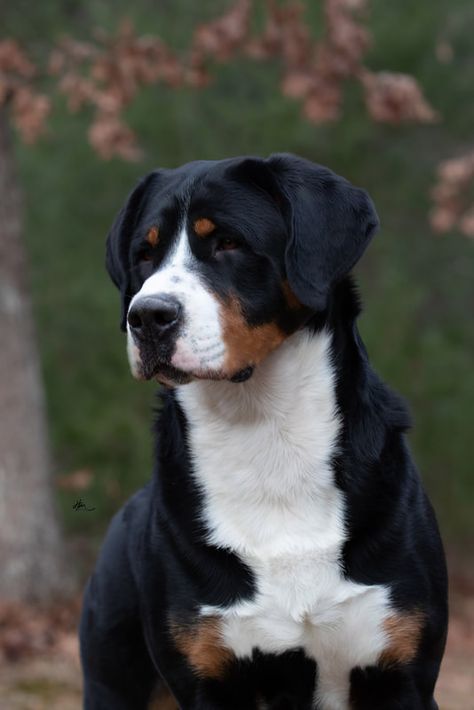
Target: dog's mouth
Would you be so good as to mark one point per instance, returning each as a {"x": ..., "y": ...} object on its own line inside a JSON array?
[
  {"x": 155, "y": 361},
  {"x": 153, "y": 365},
  {"x": 163, "y": 372},
  {"x": 171, "y": 376}
]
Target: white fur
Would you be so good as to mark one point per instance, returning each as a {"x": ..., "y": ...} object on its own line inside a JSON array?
[
  {"x": 133, "y": 353},
  {"x": 262, "y": 454},
  {"x": 199, "y": 346}
]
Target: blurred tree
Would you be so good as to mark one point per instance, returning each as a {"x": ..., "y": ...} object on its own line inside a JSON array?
[
  {"x": 105, "y": 74},
  {"x": 31, "y": 560}
]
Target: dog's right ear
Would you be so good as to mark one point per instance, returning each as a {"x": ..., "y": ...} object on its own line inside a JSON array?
[{"x": 117, "y": 259}]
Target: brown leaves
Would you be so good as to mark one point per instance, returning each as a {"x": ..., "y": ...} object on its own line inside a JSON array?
[
  {"x": 452, "y": 196},
  {"x": 219, "y": 39},
  {"x": 284, "y": 35},
  {"x": 108, "y": 75},
  {"x": 14, "y": 61},
  {"x": 107, "y": 72},
  {"x": 29, "y": 108},
  {"x": 222, "y": 37},
  {"x": 315, "y": 71},
  {"x": 307, "y": 74},
  {"x": 110, "y": 137},
  {"x": 347, "y": 40},
  {"x": 30, "y": 111},
  {"x": 27, "y": 630},
  {"x": 396, "y": 98}
]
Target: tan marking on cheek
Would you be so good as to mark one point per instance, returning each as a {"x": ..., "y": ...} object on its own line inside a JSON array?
[
  {"x": 404, "y": 634},
  {"x": 203, "y": 227},
  {"x": 153, "y": 235},
  {"x": 246, "y": 345},
  {"x": 203, "y": 647},
  {"x": 290, "y": 298},
  {"x": 163, "y": 700}
]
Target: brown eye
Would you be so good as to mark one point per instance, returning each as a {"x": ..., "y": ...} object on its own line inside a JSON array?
[{"x": 226, "y": 244}]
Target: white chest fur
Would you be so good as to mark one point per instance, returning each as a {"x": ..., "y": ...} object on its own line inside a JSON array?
[{"x": 262, "y": 454}]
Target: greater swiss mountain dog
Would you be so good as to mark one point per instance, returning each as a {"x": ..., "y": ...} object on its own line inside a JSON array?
[{"x": 285, "y": 555}]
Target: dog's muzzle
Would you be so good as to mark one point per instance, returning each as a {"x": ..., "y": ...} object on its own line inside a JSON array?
[{"x": 154, "y": 322}]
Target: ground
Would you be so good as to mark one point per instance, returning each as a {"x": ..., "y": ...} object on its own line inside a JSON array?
[{"x": 40, "y": 670}]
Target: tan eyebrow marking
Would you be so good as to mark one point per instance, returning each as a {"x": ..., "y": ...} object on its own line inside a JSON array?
[
  {"x": 153, "y": 235},
  {"x": 203, "y": 226}
]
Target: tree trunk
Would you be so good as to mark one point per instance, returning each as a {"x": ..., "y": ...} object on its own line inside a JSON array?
[{"x": 31, "y": 555}]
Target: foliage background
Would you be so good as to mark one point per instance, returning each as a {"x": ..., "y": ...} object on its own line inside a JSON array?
[{"x": 417, "y": 287}]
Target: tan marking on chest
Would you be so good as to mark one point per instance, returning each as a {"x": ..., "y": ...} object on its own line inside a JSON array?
[
  {"x": 203, "y": 647},
  {"x": 245, "y": 344},
  {"x": 203, "y": 227},
  {"x": 404, "y": 633},
  {"x": 153, "y": 235}
]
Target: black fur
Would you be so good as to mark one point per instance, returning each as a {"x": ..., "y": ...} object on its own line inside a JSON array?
[{"x": 297, "y": 221}]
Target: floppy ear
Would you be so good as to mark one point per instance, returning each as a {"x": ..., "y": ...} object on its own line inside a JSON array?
[
  {"x": 117, "y": 258},
  {"x": 330, "y": 223}
]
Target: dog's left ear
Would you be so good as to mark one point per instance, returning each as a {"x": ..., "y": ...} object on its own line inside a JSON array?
[
  {"x": 330, "y": 223},
  {"x": 117, "y": 259}
]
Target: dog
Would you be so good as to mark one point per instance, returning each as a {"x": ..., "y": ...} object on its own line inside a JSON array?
[{"x": 285, "y": 555}]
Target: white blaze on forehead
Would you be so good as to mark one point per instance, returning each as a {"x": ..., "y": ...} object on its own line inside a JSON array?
[{"x": 199, "y": 346}]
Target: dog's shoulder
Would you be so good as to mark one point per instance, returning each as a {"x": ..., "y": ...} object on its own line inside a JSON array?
[{"x": 117, "y": 565}]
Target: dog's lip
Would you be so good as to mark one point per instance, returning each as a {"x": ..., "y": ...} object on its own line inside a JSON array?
[
  {"x": 159, "y": 367},
  {"x": 166, "y": 373},
  {"x": 154, "y": 367}
]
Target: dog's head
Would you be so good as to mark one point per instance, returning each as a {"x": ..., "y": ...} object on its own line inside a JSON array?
[{"x": 219, "y": 262}]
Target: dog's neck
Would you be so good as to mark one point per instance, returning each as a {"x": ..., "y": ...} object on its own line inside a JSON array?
[
  {"x": 282, "y": 447},
  {"x": 276, "y": 387},
  {"x": 311, "y": 363},
  {"x": 262, "y": 450}
]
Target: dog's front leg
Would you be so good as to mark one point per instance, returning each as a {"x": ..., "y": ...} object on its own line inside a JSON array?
[{"x": 393, "y": 688}]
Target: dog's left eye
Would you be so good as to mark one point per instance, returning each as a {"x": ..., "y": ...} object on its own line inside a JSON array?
[
  {"x": 145, "y": 255},
  {"x": 226, "y": 244}
]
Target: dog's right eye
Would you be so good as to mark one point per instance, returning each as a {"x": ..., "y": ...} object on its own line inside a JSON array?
[
  {"x": 144, "y": 262},
  {"x": 226, "y": 244}
]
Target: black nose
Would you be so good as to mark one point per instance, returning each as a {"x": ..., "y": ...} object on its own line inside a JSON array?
[{"x": 154, "y": 315}]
